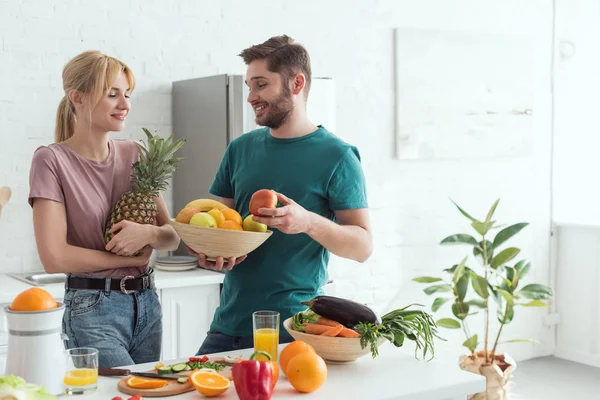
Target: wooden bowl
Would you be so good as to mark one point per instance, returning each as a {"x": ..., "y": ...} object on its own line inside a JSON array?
[
  {"x": 334, "y": 350},
  {"x": 216, "y": 242}
]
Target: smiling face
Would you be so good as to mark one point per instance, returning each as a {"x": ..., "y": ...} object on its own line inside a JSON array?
[
  {"x": 270, "y": 98},
  {"x": 112, "y": 108}
]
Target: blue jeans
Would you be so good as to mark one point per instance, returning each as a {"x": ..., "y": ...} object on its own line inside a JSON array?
[
  {"x": 125, "y": 328},
  {"x": 217, "y": 342}
]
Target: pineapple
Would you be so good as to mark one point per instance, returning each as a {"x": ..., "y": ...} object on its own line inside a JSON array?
[{"x": 149, "y": 176}]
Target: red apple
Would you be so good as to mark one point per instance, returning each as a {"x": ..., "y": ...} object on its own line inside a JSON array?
[{"x": 263, "y": 198}]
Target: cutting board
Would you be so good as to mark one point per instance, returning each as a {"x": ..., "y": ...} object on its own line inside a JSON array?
[{"x": 170, "y": 389}]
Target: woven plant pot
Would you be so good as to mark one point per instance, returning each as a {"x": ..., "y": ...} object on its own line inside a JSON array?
[{"x": 497, "y": 375}]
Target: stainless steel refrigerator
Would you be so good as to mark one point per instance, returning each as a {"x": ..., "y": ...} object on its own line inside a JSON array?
[{"x": 211, "y": 111}]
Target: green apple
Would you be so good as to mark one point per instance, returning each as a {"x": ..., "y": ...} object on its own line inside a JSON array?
[
  {"x": 250, "y": 225},
  {"x": 203, "y": 219}
]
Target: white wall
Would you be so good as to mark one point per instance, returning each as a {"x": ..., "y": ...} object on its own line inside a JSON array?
[
  {"x": 352, "y": 41},
  {"x": 578, "y": 281}
]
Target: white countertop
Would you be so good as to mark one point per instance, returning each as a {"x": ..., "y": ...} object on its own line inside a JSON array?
[
  {"x": 10, "y": 287},
  {"x": 395, "y": 374}
]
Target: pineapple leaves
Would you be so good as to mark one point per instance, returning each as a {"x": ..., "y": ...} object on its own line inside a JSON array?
[{"x": 156, "y": 163}]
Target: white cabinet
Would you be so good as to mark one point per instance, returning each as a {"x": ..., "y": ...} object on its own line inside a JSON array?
[{"x": 187, "y": 315}]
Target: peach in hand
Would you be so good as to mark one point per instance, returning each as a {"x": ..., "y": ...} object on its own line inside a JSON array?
[{"x": 263, "y": 198}]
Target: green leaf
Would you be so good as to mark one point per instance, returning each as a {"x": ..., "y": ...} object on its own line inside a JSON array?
[
  {"x": 504, "y": 256},
  {"x": 463, "y": 212},
  {"x": 437, "y": 303},
  {"x": 459, "y": 270},
  {"x": 507, "y": 317},
  {"x": 521, "y": 269},
  {"x": 507, "y": 296},
  {"x": 461, "y": 286},
  {"x": 510, "y": 274},
  {"x": 491, "y": 212},
  {"x": 453, "y": 268},
  {"x": 476, "y": 303},
  {"x": 460, "y": 310},
  {"x": 426, "y": 279},
  {"x": 535, "y": 303},
  {"x": 471, "y": 343},
  {"x": 482, "y": 227},
  {"x": 460, "y": 238},
  {"x": 508, "y": 232},
  {"x": 535, "y": 291},
  {"x": 438, "y": 288},
  {"x": 479, "y": 285},
  {"x": 448, "y": 323}
]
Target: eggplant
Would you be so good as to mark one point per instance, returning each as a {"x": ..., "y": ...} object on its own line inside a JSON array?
[{"x": 347, "y": 312}]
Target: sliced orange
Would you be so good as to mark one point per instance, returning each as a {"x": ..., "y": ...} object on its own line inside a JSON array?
[
  {"x": 141, "y": 383},
  {"x": 209, "y": 383}
]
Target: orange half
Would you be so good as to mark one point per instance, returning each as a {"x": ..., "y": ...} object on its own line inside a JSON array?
[
  {"x": 209, "y": 383},
  {"x": 141, "y": 383}
]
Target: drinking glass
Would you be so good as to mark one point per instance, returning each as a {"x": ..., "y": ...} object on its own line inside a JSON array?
[
  {"x": 266, "y": 333},
  {"x": 82, "y": 370}
]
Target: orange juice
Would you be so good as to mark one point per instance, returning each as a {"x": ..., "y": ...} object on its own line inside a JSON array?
[
  {"x": 81, "y": 377},
  {"x": 266, "y": 340}
]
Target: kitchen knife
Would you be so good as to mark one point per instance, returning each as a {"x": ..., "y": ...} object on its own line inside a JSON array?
[{"x": 126, "y": 372}]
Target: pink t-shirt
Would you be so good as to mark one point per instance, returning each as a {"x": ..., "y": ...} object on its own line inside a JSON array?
[{"x": 88, "y": 189}]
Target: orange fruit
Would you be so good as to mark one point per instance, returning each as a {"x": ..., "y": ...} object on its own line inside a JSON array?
[
  {"x": 307, "y": 372},
  {"x": 294, "y": 348},
  {"x": 231, "y": 215},
  {"x": 141, "y": 383},
  {"x": 209, "y": 383},
  {"x": 217, "y": 215},
  {"x": 228, "y": 224},
  {"x": 34, "y": 299}
]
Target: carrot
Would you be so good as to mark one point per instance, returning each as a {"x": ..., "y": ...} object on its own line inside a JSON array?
[
  {"x": 315, "y": 329},
  {"x": 349, "y": 333},
  {"x": 328, "y": 322},
  {"x": 333, "y": 331}
]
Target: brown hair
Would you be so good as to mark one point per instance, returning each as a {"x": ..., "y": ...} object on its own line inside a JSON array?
[
  {"x": 92, "y": 73},
  {"x": 284, "y": 56}
]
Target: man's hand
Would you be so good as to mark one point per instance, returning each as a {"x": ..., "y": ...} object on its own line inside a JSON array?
[
  {"x": 130, "y": 237},
  {"x": 292, "y": 218},
  {"x": 219, "y": 264}
]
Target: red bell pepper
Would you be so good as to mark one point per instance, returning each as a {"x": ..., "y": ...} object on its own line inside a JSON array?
[{"x": 253, "y": 379}]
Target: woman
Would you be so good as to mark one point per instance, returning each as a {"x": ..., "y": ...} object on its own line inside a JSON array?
[{"x": 110, "y": 300}]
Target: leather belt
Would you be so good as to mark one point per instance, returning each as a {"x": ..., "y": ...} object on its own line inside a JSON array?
[{"x": 127, "y": 284}]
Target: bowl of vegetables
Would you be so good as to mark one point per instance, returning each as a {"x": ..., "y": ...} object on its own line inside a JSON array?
[{"x": 341, "y": 331}]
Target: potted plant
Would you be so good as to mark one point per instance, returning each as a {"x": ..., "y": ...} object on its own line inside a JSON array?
[{"x": 498, "y": 281}]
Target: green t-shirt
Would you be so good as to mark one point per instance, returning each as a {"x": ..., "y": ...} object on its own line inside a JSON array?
[{"x": 318, "y": 171}]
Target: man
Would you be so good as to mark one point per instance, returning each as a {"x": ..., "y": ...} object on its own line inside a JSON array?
[{"x": 320, "y": 187}]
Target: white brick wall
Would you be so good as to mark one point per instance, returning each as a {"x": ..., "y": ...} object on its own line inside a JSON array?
[{"x": 351, "y": 41}]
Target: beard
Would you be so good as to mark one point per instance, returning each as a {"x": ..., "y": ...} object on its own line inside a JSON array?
[{"x": 278, "y": 110}]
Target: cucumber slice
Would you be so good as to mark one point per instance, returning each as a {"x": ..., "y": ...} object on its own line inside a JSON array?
[
  {"x": 165, "y": 370},
  {"x": 183, "y": 379},
  {"x": 178, "y": 367}
]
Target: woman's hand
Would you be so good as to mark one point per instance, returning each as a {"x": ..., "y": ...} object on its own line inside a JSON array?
[
  {"x": 130, "y": 237},
  {"x": 219, "y": 264},
  {"x": 143, "y": 259}
]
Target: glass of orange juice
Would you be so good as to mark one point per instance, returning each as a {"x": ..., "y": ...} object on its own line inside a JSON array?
[
  {"x": 82, "y": 370},
  {"x": 266, "y": 333}
]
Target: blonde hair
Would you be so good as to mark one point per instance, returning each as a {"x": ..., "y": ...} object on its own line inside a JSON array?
[{"x": 91, "y": 73}]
